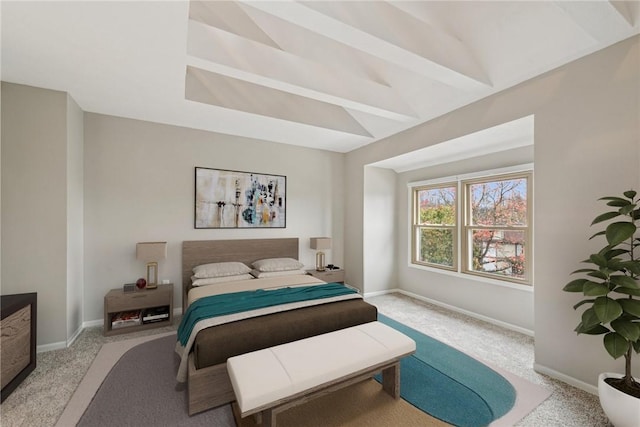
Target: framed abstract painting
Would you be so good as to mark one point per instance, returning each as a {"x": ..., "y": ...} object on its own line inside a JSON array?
[{"x": 236, "y": 199}]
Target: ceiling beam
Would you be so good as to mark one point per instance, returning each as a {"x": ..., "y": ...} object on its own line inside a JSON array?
[
  {"x": 226, "y": 53},
  {"x": 430, "y": 57},
  {"x": 602, "y": 20},
  {"x": 227, "y": 92},
  {"x": 228, "y": 16}
]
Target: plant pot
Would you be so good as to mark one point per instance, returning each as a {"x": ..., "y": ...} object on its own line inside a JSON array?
[{"x": 622, "y": 409}]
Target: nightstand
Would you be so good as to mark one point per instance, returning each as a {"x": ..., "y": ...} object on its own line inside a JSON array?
[
  {"x": 329, "y": 276},
  {"x": 155, "y": 307}
]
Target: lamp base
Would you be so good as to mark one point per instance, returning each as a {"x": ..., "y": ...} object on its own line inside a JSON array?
[
  {"x": 320, "y": 261},
  {"x": 152, "y": 275}
]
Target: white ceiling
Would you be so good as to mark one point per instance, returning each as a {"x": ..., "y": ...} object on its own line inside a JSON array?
[{"x": 328, "y": 75}]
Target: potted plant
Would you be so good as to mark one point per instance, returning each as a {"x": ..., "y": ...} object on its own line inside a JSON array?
[{"x": 612, "y": 303}]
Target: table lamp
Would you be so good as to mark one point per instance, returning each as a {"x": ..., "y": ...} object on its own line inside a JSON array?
[
  {"x": 320, "y": 243},
  {"x": 151, "y": 253}
]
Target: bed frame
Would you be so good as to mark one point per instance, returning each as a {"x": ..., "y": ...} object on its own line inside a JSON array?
[{"x": 211, "y": 387}]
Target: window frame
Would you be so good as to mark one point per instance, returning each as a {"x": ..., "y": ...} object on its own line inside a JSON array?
[
  {"x": 417, "y": 227},
  {"x": 462, "y": 230},
  {"x": 467, "y": 228}
]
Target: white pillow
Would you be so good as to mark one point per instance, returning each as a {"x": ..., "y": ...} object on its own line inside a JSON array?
[
  {"x": 213, "y": 280},
  {"x": 263, "y": 274},
  {"x": 277, "y": 264},
  {"x": 220, "y": 269}
]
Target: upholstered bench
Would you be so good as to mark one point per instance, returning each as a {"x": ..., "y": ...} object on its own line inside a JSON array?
[{"x": 272, "y": 380}]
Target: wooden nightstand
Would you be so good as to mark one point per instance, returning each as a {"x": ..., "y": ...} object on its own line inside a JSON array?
[
  {"x": 328, "y": 276},
  {"x": 117, "y": 301}
]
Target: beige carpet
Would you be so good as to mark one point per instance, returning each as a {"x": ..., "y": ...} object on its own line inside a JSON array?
[{"x": 361, "y": 405}]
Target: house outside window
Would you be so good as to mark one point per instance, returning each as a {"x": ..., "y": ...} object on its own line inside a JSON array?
[{"x": 488, "y": 218}]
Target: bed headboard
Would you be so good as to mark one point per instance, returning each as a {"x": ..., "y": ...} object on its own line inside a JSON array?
[{"x": 196, "y": 252}]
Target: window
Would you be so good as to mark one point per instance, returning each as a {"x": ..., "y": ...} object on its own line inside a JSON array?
[
  {"x": 489, "y": 216},
  {"x": 435, "y": 230}
]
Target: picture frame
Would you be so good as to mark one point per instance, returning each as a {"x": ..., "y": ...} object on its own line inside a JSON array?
[{"x": 237, "y": 199}]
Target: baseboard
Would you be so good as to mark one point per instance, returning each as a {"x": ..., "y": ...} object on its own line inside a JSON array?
[
  {"x": 88, "y": 324},
  {"x": 378, "y": 293},
  {"x": 589, "y": 388},
  {"x": 456, "y": 309},
  {"x": 50, "y": 347}
]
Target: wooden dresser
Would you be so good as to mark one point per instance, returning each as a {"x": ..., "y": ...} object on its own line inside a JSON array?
[{"x": 18, "y": 339}]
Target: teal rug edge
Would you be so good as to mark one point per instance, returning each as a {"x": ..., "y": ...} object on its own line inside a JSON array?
[{"x": 449, "y": 384}]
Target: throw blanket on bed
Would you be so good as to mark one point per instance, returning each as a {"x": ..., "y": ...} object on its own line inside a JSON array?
[
  {"x": 218, "y": 305},
  {"x": 218, "y": 309}
]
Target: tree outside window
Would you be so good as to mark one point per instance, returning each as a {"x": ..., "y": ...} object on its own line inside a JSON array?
[
  {"x": 435, "y": 228},
  {"x": 497, "y": 226}
]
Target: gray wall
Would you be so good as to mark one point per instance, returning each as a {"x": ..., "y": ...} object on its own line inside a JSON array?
[
  {"x": 40, "y": 139},
  {"x": 139, "y": 186},
  {"x": 79, "y": 190},
  {"x": 379, "y": 219},
  {"x": 587, "y": 144},
  {"x": 75, "y": 218}
]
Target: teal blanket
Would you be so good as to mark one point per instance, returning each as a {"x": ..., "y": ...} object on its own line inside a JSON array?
[{"x": 236, "y": 302}]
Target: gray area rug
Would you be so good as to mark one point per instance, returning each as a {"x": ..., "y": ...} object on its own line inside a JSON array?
[{"x": 141, "y": 389}]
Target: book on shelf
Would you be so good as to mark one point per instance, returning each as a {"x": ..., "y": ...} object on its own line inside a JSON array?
[
  {"x": 155, "y": 314},
  {"x": 126, "y": 318}
]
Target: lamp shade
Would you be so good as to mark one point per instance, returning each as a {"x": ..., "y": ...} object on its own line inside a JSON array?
[
  {"x": 321, "y": 243},
  {"x": 151, "y": 251}
]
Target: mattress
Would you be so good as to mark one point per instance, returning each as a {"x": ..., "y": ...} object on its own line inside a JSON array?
[{"x": 216, "y": 344}]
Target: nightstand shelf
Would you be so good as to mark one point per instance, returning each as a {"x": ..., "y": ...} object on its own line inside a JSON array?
[
  {"x": 329, "y": 276},
  {"x": 118, "y": 301}
]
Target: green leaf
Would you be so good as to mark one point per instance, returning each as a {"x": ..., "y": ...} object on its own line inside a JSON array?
[
  {"x": 599, "y": 274},
  {"x": 615, "y": 344},
  {"x": 584, "y": 301},
  {"x": 625, "y": 210},
  {"x": 599, "y": 233},
  {"x": 593, "y": 289},
  {"x": 598, "y": 260},
  {"x": 631, "y": 266},
  {"x": 618, "y": 232},
  {"x": 589, "y": 319},
  {"x": 605, "y": 216},
  {"x": 630, "y": 194},
  {"x": 607, "y": 309},
  {"x": 630, "y": 306},
  {"x": 615, "y": 265},
  {"x": 629, "y": 330},
  {"x": 616, "y": 201},
  {"x": 575, "y": 285},
  {"x": 596, "y": 330},
  {"x": 612, "y": 253},
  {"x": 629, "y": 291},
  {"x": 624, "y": 281},
  {"x": 583, "y": 270},
  {"x": 636, "y": 346}
]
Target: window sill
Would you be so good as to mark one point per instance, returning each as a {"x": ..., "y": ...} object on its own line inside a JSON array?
[{"x": 473, "y": 278}]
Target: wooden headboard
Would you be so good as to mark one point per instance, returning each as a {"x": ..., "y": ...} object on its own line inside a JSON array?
[{"x": 197, "y": 252}]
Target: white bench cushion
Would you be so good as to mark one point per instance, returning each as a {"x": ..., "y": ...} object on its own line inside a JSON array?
[{"x": 266, "y": 376}]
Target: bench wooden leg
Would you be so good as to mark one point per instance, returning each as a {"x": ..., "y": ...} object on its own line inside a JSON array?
[
  {"x": 391, "y": 380},
  {"x": 268, "y": 418}
]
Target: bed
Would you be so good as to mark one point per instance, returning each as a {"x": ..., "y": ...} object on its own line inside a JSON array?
[{"x": 206, "y": 374}]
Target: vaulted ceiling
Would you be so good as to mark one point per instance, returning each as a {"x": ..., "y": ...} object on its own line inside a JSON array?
[{"x": 334, "y": 75}]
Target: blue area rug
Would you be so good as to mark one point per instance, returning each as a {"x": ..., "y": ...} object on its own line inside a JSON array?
[{"x": 449, "y": 385}]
